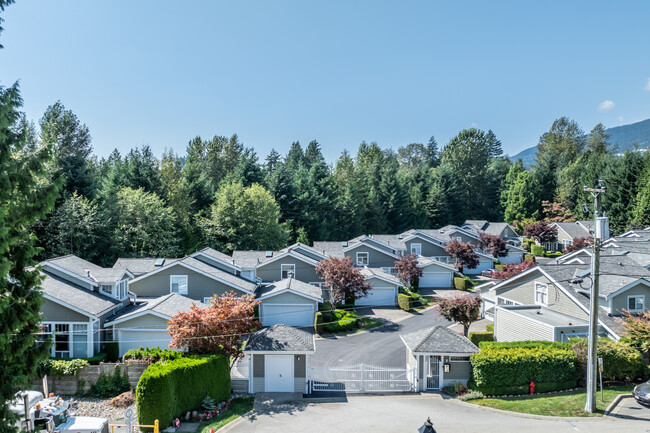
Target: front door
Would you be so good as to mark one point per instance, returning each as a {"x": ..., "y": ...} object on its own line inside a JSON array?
[
  {"x": 433, "y": 372},
  {"x": 278, "y": 373}
]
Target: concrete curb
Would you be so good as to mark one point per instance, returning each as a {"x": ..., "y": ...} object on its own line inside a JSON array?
[
  {"x": 615, "y": 402},
  {"x": 234, "y": 422}
]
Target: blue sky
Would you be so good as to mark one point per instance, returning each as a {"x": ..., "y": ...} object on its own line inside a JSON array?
[{"x": 162, "y": 72}]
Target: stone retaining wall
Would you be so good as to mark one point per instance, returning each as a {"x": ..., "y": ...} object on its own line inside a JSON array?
[{"x": 87, "y": 376}]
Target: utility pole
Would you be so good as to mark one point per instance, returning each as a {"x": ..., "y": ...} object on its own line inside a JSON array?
[{"x": 592, "y": 358}]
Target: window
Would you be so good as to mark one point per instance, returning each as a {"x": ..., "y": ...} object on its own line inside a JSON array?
[
  {"x": 122, "y": 289},
  {"x": 106, "y": 289},
  {"x": 416, "y": 249},
  {"x": 363, "y": 259},
  {"x": 636, "y": 303},
  {"x": 287, "y": 271},
  {"x": 503, "y": 301},
  {"x": 178, "y": 284},
  {"x": 541, "y": 293},
  {"x": 459, "y": 239}
]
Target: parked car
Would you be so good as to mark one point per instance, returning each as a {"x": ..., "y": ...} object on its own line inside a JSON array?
[
  {"x": 488, "y": 273},
  {"x": 642, "y": 393}
]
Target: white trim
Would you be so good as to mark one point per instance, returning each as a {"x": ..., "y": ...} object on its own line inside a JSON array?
[
  {"x": 288, "y": 253},
  {"x": 565, "y": 257},
  {"x": 180, "y": 291},
  {"x": 135, "y": 315},
  {"x": 542, "y": 289},
  {"x": 230, "y": 265},
  {"x": 364, "y": 244},
  {"x": 71, "y": 274},
  {"x": 306, "y": 248},
  {"x": 387, "y": 280},
  {"x": 290, "y": 273},
  {"x": 75, "y": 309},
  {"x": 302, "y": 295},
  {"x": 628, "y": 287},
  {"x": 500, "y": 307},
  {"x": 419, "y": 248},
  {"x": 70, "y": 332},
  {"x": 365, "y": 239},
  {"x": 635, "y": 310},
  {"x": 198, "y": 271},
  {"x": 438, "y": 263},
  {"x": 280, "y": 352},
  {"x": 430, "y": 239},
  {"x": 367, "y": 260}
]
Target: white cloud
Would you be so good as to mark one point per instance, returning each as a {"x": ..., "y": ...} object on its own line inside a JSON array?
[
  {"x": 474, "y": 125},
  {"x": 620, "y": 119},
  {"x": 647, "y": 86},
  {"x": 606, "y": 105}
]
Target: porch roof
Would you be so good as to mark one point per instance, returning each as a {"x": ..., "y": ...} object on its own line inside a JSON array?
[{"x": 438, "y": 339}]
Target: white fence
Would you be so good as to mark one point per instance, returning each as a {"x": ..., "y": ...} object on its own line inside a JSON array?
[{"x": 361, "y": 378}]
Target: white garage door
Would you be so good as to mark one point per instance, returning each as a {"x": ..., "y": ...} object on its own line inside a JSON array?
[
  {"x": 379, "y": 296},
  {"x": 483, "y": 265},
  {"x": 288, "y": 314},
  {"x": 134, "y": 339},
  {"x": 278, "y": 373},
  {"x": 512, "y": 257},
  {"x": 435, "y": 279}
]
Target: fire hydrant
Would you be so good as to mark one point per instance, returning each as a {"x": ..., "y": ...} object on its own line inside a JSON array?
[{"x": 531, "y": 386}]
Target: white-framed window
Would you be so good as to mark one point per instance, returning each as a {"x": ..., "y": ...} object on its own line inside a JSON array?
[
  {"x": 504, "y": 301},
  {"x": 207, "y": 300},
  {"x": 70, "y": 339},
  {"x": 106, "y": 289},
  {"x": 287, "y": 271},
  {"x": 178, "y": 284},
  {"x": 636, "y": 303},
  {"x": 363, "y": 259},
  {"x": 122, "y": 289},
  {"x": 541, "y": 293},
  {"x": 416, "y": 249}
]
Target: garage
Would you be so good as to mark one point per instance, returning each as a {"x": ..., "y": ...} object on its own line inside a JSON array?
[
  {"x": 379, "y": 297},
  {"x": 515, "y": 255},
  {"x": 485, "y": 263},
  {"x": 435, "y": 274},
  {"x": 289, "y": 302},
  {"x": 134, "y": 339},
  {"x": 290, "y": 314}
]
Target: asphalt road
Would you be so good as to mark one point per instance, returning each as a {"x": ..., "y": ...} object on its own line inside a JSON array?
[
  {"x": 393, "y": 414},
  {"x": 380, "y": 346},
  {"x": 629, "y": 409}
]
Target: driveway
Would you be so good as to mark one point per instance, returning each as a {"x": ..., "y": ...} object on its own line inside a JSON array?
[
  {"x": 379, "y": 346},
  {"x": 391, "y": 414},
  {"x": 629, "y": 409}
]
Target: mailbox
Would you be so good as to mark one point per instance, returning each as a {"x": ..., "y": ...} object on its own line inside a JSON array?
[{"x": 447, "y": 368}]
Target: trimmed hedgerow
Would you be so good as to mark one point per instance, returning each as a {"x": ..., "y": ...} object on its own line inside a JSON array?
[
  {"x": 170, "y": 388},
  {"x": 537, "y": 250},
  {"x": 153, "y": 354},
  {"x": 529, "y": 257},
  {"x": 518, "y": 366},
  {"x": 478, "y": 337},
  {"x": 318, "y": 322},
  {"x": 404, "y": 301},
  {"x": 621, "y": 362},
  {"x": 460, "y": 283}
]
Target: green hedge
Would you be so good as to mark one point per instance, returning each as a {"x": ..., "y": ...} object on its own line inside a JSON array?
[
  {"x": 153, "y": 354},
  {"x": 526, "y": 344},
  {"x": 460, "y": 283},
  {"x": 499, "y": 267},
  {"x": 112, "y": 351},
  {"x": 529, "y": 257},
  {"x": 540, "y": 387},
  {"x": 167, "y": 390},
  {"x": 404, "y": 301},
  {"x": 553, "y": 255},
  {"x": 341, "y": 321},
  {"x": 478, "y": 337},
  {"x": 506, "y": 367},
  {"x": 318, "y": 323},
  {"x": 621, "y": 362},
  {"x": 537, "y": 250},
  {"x": 489, "y": 327}
]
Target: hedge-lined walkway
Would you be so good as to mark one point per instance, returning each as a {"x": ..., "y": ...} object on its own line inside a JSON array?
[{"x": 569, "y": 403}]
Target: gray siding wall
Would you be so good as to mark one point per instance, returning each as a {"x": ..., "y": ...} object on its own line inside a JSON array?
[
  {"x": 272, "y": 271},
  {"x": 508, "y": 233},
  {"x": 511, "y": 327},
  {"x": 147, "y": 321},
  {"x": 258, "y": 367},
  {"x": 619, "y": 302},
  {"x": 458, "y": 372},
  {"x": 53, "y": 312},
  {"x": 428, "y": 249},
  {"x": 299, "y": 384},
  {"x": 523, "y": 291},
  {"x": 376, "y": 258},
  {"x": 258, "y": 384},
  {"x": 299, "y": 366},
  {"x": 198, "y": 286},
  {"x": 464, "y": 238}
]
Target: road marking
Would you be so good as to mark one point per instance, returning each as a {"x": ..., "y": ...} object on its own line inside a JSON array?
[{"x": 573, "y": 425}]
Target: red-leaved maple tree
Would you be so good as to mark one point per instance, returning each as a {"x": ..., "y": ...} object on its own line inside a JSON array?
[
  {"x": 408, "y": 270},
  {"x": 461, "y": 309},
  {"x": 493, "y": 244},
  {"x": 345, "y": 282},
  {"x": 578, "y": 244},
  {"x": 541, "y": 232},
  {"x": 217, "y": 328},
  {"x": 463, "y": 254},
  {"x": 637, "y": 329},
  {"x": 512, "y": 269}
]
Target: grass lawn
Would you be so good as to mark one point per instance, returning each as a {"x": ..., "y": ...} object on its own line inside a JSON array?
[
  {"x": 238, "y": 407},
  {"x": 363, "y": 324},
  {"x": 570, "y": 403}
]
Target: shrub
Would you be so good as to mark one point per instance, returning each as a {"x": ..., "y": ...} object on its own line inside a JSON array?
[
  {"x": 478, "y": 337},
  {"x": 318, "y": 322},
  {"x": 154, "y": 354},
  {"x": 527, "y": 344},
  {"x": 110, "y": 386},
  {"x": 537, "y": 250},
  {"x": 540, "y": 387},
  {"x": 499, "y": 267},
  {"x": 529, "y": 257},
  {"x": 621, "y": 362},
  {"x": 62, "y": 367},
  {"x": 170, "y": 388},
  {"x": 341, "y": 321},
  {"x": 472, "y": 395},
  {"x": 460, "y": 283},
  {"x": 553, "y": 255},
  {"x": 489, "y": 327},
  {"x": 404, "y": 301},
  {"x": 97, "y": 359},
  {"x": 112, "y": 351},
  {"x": 506, "y": 367},
  {"x": 459, "y": 388}
]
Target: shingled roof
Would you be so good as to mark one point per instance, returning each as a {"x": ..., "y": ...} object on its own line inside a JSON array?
[
  {"x": 290, "y": 284},
  {"x": 438, "y": 339},
  {"x": 281, "y": 338},
  {"x": 76, "y": 296}
]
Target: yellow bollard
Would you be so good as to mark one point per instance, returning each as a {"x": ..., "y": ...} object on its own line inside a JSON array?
[{"x": 155, "y": 426}]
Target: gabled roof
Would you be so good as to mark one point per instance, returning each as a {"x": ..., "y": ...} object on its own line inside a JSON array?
[
  {"x": 445, "y": 233},
  {"x": 477, "y": 224},
  {"x": 498, "y": 228},
  {"x": 587, "y": 225},
  {"x": 281, "y": 338},
  {"x": 217, "y": 256},
  {"x": 370, "y": 244},
  {"x": 573, "y": 230},
  {"x": 301, "y": 248},
  {"x": 86, "y": 270},
  {"x": 438, "y": 339},
  {"x": 295, "y": 254},
  {"x": 395, "y": 242},
  {"x": 139, "y": 266},
  {"x": 379, "y": 273},
  {"x": 70, "y": 295},
  {"x": 164, "y": 307},
  {"x": 248, "y": 259},
  {"x": 428, "y": 261},
  {"x": 290, "y": 285}
]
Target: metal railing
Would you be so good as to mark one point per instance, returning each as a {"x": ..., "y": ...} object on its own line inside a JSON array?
[
  {"x": 361, "y": 378},
  {"x": 155, "y": 427}
]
